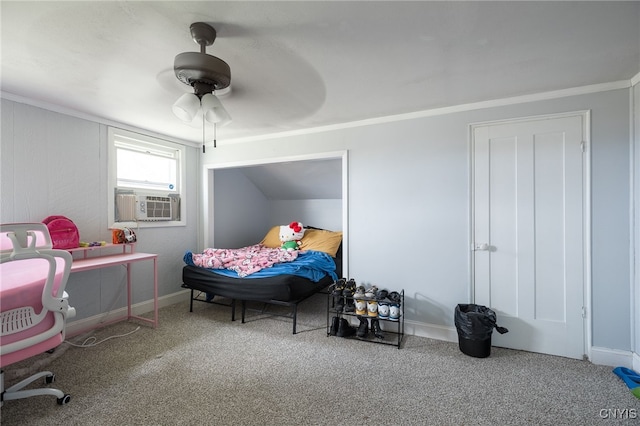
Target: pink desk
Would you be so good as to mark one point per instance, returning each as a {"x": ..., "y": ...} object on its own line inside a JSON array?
[{"x": 126, "y": 257}]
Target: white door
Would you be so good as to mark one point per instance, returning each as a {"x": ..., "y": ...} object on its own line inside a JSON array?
[{"x": 529, "y": 225}]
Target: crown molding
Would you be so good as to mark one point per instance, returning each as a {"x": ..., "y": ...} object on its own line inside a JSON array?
[
  {"x": 574, "y": 91},
  {"x": 84, "y": 116}
]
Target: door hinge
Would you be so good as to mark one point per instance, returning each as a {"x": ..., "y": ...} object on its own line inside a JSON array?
[
  {"x": 584, "y": 312},
  {"x": 583, "y": 146}
]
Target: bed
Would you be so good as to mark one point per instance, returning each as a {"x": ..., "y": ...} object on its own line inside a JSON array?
[{"x": 291, "y": 279}]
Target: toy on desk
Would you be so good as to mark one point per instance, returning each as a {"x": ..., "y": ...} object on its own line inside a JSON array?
[
  {"x": 123, "y": 236},
  {"x": 93, "y": 244}
]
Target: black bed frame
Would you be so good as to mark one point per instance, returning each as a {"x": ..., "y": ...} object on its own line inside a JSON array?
[{"x": 196, "y": 295}]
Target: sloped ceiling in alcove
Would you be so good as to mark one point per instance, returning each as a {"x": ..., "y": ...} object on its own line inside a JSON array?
[{"x": 298, "y": 180}]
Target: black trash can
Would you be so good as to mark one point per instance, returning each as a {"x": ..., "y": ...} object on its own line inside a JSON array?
[{"x": 475, "y": 323}]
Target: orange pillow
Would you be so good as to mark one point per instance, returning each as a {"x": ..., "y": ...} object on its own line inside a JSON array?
[
  {"x": 313, "y": 239},
  {"x": 321, "y": 240},
  {"x": 272, "y": 239}
]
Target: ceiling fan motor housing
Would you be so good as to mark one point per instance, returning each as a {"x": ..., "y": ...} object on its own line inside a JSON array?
[
  {"x": 210, "y": 73},
  {"x": 191, "y": 67}
]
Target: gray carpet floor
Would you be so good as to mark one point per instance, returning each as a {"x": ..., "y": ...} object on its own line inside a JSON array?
[{"x": 201, "y": 368}]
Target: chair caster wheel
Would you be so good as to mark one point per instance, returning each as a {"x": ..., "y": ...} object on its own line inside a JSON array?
[
  {"x": 50, "y": 379},
  {"x": 64, "y": 400}
]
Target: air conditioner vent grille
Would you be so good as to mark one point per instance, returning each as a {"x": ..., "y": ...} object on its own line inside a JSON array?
[{"x": 152, "y": 208}]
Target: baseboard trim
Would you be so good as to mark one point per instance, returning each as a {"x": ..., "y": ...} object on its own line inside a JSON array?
[
  {"x": 599, "y": 356},
  {"x": 84, "y": 325},
  {"x": 612, "y": 357},
  {"x": 431, "y": 331}
]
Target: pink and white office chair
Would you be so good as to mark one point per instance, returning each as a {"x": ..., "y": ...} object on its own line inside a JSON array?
[{"x": 33, "y": 303}]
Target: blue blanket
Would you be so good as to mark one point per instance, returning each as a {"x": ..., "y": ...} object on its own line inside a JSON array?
[{"x": 310, "y": 264}]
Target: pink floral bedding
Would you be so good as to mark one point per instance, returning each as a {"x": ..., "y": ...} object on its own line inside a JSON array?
[{"x": 244, "y": 261}]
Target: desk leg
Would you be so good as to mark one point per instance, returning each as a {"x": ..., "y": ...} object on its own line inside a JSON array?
[
  {"x": 128, "y": 266},
  {"x": 154, "y": 320},
  {"x": 155, "y": 292}
]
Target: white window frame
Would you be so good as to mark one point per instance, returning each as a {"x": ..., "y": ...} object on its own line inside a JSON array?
[{"x": 142, "y": 141}]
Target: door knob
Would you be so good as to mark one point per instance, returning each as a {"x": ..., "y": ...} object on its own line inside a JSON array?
[{"x": 481, "y": 246}]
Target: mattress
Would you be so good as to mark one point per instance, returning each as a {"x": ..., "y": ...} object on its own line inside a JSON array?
[{"x": 283, "y": 288}]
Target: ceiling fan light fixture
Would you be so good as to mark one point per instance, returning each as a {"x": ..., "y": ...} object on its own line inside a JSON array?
[
  {"x": 186, "y": 107},
  {"x": 217, "y": 117},
  {"x": 214, "y": 111},
  {"x": 205, "y": 74}
]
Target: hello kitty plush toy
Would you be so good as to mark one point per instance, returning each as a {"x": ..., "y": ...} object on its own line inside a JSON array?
[{"x": 290, "y": 236}]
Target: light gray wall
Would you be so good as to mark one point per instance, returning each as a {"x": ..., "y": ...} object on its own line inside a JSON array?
[
  {"x": 611, "y": 230},
  {"x": 244, "y": 212},
  {"x": 240, "y": 210},
  {"x": 53, "y": 163},
  {"x": 249, "y": 220},
  {"x": 409, "y": 204},
  {"x": 636, "y": 163},
  {"x": 326, "y": 214}
]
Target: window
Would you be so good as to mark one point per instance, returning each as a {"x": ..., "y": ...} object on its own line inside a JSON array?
[
  {"x": 146, "y": 178},
  {"x": 152, "y": 169}
]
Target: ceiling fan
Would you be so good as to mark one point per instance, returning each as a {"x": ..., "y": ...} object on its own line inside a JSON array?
[{"x": 205, "y": 74}]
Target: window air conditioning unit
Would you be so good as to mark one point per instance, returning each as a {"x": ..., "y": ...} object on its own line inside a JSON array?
[
  {"x": 151, "y": 208},
  {"x": 144, "y": 208}
]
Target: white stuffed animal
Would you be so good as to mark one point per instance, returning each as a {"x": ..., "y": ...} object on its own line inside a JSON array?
[{"x": 290, "y": 236}]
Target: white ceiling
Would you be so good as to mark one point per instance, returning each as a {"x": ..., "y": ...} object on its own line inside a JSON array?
[{"x": 305, "y": 64}]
